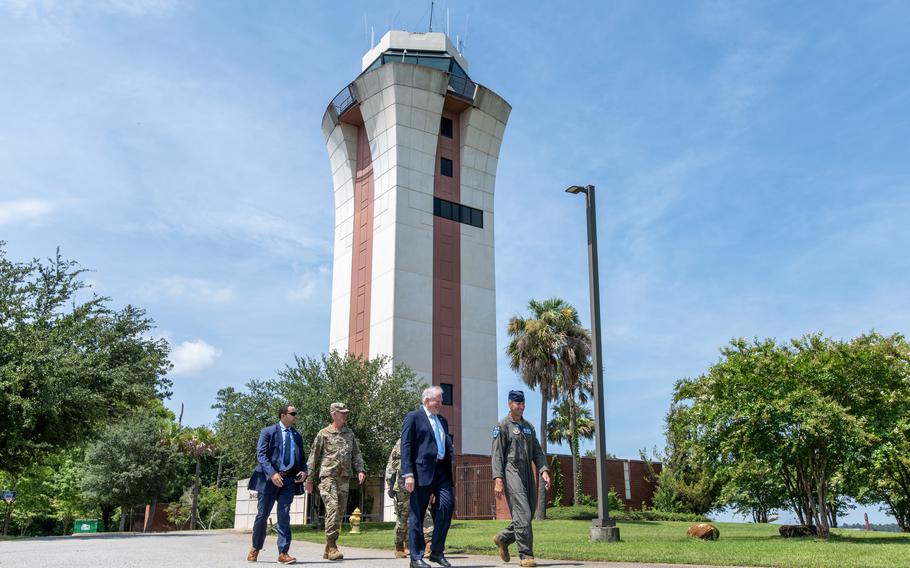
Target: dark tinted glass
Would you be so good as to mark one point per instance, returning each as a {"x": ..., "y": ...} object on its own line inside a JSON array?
[
  {"x": 465, "y": 215},
  {"x": 477, "y": 218},
  {"x": 445, "y": 167},
  {"x": 445, "y": 127},
  {"x": 435, "y": 62},
  {"x": 445, "y": 209},
  {"x": 446, "y": 394}
]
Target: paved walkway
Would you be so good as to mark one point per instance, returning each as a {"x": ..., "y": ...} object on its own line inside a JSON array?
[{"x": 224, "y": 549}]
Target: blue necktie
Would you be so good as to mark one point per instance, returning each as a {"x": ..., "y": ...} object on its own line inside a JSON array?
[
  {"x": 440, "y": 446},
  {"x": 287, "y": 446}
]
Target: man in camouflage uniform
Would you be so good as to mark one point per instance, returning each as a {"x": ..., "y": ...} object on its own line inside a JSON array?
[
  {"x": 515, "y": 449},
  {"x": 402, "y": 500},
  {"x": 334, "y": 456}
]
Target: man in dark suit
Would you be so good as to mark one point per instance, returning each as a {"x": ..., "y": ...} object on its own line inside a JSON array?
[
  {"x": 426, "y": 468},
  {"x": 278, "y": 477}
]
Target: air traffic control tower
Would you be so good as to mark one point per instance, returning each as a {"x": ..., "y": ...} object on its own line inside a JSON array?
[{"x": 413, "y": 144}]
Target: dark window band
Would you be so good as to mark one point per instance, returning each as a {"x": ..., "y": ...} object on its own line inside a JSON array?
[{"x": 458, "y": 212}]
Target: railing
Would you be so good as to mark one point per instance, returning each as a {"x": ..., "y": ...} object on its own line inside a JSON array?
[
  {"x": 462, "y": 86},
  {"x": 344, "y": 100},
  {"x": 474, "y": 498}
]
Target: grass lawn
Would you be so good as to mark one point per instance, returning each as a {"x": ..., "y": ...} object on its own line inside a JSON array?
[{"x": 664, "y": 541}]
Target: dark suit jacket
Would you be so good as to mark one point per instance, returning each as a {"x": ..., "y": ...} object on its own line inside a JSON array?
[
  {"x": 418, "y": 447},
  {"x": 269, "y": 454}
]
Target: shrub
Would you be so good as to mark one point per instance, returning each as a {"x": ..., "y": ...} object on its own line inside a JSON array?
[{"x": 586, "y": 513}]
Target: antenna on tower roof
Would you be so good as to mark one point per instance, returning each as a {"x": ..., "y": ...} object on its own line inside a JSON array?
[
  {"x": 465, "y": 40},
  {"x": 432, "y": 5},
  {"x": 447, "y": 21}
]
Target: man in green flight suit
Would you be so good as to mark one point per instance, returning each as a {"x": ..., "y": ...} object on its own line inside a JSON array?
[
  {"x": 396, "y": 491},
  {"x": 335, "y": 454},
  {"x": 515, "y": 449}
]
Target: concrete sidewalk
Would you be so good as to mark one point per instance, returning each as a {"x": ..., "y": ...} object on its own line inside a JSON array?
[{"x": 225, "y": 549}]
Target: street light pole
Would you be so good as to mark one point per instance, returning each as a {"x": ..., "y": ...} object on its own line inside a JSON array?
[{"x": 603, "y": 528}]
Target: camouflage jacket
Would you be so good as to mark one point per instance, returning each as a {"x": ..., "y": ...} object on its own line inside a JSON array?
[
  {"x": 393, "y": 469},
  {"x": 335, "y": 453}
]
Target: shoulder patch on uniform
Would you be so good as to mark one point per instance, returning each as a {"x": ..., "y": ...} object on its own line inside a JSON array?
[{"x": 496, "y": 431}]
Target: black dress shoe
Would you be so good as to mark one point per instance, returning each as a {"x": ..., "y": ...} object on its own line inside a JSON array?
[
  {"x": 419, "y": 564},
  {"x": 441, "y": 560}
]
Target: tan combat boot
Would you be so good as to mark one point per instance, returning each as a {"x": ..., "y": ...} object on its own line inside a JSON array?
[
  {"x": 528, "y": 561},
  {"x": 426, "y": 550},
  {"x": 399, "y": 550},
  {"x": 503, "y": 549},
  {"x": 331, "y": 550}
]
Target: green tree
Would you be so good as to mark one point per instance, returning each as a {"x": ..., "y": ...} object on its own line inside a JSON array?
[
  {"x": 883, "y": 400},
  {"x": 377, "y": 395},
  {"x": 557, "y": 482},
  {"x": 215, "y": 507},
  {"x": 534, "y": 353},
  {"x": 69, "y": 364},
  {"x": 131, "y": 463},
  {"x": 573, "y": 380},
  {"x": 807, "y": 412},
  {"x": 561, "y": 429},
  {"x": 688, "y": 481},
  {"x": 241, "y": 415},
  {"x": 197, "y": 443}
]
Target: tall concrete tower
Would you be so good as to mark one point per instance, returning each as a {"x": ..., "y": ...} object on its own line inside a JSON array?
[{"x": 413, "y": 144}]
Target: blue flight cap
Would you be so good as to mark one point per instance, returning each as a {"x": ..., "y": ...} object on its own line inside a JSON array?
[{"x": 517, "y": 395}]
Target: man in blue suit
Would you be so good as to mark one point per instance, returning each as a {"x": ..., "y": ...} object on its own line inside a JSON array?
[
  {"x": 278, "y": 477},
  {"x": 426, "y": 468}
]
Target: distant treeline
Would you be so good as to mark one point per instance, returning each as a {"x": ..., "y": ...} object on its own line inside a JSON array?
[{"x": 879, "y": 528}]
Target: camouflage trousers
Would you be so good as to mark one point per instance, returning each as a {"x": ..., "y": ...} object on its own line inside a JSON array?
[
  {"x": 334, "y": 494},
  {"x": 402, "y": 508}
]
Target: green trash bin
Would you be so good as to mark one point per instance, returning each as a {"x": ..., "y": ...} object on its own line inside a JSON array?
[{"x": 81, "y": 526}]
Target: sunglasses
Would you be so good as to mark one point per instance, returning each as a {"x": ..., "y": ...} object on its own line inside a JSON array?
[{"x": 292, "y": 413}]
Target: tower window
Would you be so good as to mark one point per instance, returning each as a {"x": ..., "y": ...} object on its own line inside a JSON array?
[
  {"x": 458, "y": 212},
  {"x": 445, "y": 167},
  {"x": 445, "y": 127},
  {"x": 446, "y": 394}
]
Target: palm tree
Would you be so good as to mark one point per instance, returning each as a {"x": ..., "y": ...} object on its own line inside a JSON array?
[
  {"x": 197, "y": 443},
  {"x": 573, "y": 381},
  {"x": 560, "y": 429},
  {"x": 534, "y": 353}
]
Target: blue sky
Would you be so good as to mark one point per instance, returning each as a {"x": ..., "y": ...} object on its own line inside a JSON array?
[{"x": 752, "y": 165}]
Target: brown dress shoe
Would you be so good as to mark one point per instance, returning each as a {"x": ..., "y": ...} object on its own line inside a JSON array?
[
  {"x": 527, "y": 561},
  {"x": 253, "y": 555},
  {"x": 286, "y": 559},
  {"x": 503, "y": 549}
]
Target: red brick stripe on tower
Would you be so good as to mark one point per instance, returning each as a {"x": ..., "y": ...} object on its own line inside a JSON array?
[
  {"x": 447, "y": 280},
  {"x": 362, "y": 257}
]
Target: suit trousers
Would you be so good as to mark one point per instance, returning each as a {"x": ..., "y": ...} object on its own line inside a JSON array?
[
  {"x": 442, "y": 513},
  {"x": 266, "y": 500}
]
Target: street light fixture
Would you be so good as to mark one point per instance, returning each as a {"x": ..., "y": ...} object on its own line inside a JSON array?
[{"x": 603, "y": 528}]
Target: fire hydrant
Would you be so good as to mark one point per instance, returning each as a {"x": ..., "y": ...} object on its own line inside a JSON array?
[{"x": 355, "y": 521}]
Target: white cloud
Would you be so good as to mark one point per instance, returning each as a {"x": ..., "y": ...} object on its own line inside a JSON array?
[
  {"x": 309, "y": 285},
  {"x": 192, "y": 357},
  {"x": 190, "y": 289},
  {"x": 31, "y": 211}
]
